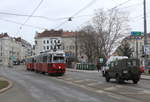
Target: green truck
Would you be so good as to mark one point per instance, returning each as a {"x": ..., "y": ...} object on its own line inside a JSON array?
[{"x": 123, "y": 69}]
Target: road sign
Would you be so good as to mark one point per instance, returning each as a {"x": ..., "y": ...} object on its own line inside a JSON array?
[
  {"x": 101, "y": 60},
  {"x": 136, "y": 33},
  {"x": 147, "y": 49}
]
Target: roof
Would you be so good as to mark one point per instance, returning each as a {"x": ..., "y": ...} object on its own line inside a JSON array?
[
  {"x": 68, "y": 34},
  {"x": 4, "y": 35},
  {"x": 54, "y": 33},
  {"x": 51, "y": 33}
]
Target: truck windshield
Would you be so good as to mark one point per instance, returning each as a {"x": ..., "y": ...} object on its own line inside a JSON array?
[
  {"x": 58, "y": 59},
  {"x": 131, "y": 63}
]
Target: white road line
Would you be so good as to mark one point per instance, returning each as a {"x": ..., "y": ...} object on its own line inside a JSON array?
[
  {"x": 92, "y": 84},
  {"x": 114, "y": 96},
  {"x": 131, "y": 93},
  {"x": 110, "y": 88},
  {"x": 100, "y": 91},
  {"x": 77, "y": 81}
]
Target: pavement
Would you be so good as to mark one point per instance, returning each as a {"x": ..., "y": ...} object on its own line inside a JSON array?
[
  {"x": 74, "y": 86},
  {"x": 143, "y": 76}
]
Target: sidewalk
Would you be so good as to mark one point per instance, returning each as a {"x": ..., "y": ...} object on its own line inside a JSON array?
[{"x": 145, "y": 77}]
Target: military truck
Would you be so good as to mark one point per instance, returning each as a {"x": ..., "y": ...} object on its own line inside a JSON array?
[{"x": 124, "y": 69}]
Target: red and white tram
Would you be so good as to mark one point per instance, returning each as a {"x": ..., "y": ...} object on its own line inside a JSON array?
[{"x": 52, "y": 63}]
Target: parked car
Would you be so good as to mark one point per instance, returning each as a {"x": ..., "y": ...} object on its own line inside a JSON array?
[{"x": 142, "y": 69}]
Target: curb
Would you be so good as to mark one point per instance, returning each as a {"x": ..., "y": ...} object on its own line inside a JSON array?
[{"x": 8, "y": 87}]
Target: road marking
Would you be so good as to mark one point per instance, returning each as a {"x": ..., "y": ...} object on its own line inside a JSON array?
[
  {"x": 146, "y": 91},
  {"x": 68, "y": 79},
  {"x": 100, "y": 91},
  {"x": 92, "y": 84},
  {"x": 131, "y": 93},
  {"x": 77, "y": 81},
  {"x": 114, "y": 96},
  {"x": 110, "y": 88},
  {"x": 119, "y": 86}
]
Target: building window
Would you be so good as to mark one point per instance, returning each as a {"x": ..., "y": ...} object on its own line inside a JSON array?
[
  {"x": 35, "y": 42},
  {"x": 47, "y": 47},
  {"x": 47, "y": 41},
  {"x": 44, "y": 47},
  {"x": 51, "y": 47},
  {"x": 44, "y": 41}
]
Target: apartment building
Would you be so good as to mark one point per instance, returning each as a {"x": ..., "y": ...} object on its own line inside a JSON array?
[{"x": 12, "y": 49}]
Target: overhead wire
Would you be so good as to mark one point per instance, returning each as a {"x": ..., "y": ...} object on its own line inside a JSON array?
[
  {"x": 32, "y": 13},
  {"x": 89, "y": 4},
  {"x": 24, "y": 15},
  {"x": 70, "y": 18},
  {"x": 19, "y": 23},
  {"x": 119, "y": 5}
]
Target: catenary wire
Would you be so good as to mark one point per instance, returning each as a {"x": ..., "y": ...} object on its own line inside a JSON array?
[
  {"x": 18, "y": 23},
  {"x": 32, "y": 13},
  {"x": 85, "y": 7}
]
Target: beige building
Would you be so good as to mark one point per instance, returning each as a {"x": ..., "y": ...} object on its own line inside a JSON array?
[
  {"x": 55, "y": 40},
  {"x": 137, "y": 44},
  {"x": 12, "y": 49}
]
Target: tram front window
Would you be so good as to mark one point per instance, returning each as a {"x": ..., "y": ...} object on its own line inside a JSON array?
[{"x": 58, "y": 59}]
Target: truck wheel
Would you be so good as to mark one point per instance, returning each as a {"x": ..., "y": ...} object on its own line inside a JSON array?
[
  {"x": 107, "y": 77},
  {"x": 135, "y": 81},
  {"x": 118, "y": 79},
  {"x": 103, "y": 73}
]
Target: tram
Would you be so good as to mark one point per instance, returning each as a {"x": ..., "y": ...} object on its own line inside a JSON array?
[{"x": 52, "y": 63}]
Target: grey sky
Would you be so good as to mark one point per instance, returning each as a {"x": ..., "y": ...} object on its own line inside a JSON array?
[{"x": 57, "y": 10}]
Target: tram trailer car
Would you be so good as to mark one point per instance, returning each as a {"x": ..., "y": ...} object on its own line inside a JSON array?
[{"x": 30, "y": 63}]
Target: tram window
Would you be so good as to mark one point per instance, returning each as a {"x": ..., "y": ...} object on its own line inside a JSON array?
[
  {"x": 50, "y": 58},
  {"x": 32, "y": 60},
  {"x": 44, "y": 58},
  {"x": 58, "y": 59}
]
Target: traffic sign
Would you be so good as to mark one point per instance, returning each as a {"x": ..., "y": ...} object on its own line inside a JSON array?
[
  {"x": 147, "y": 49},
  {"x": 136, "y": 33},
  {"x": 101, "y": 60}
]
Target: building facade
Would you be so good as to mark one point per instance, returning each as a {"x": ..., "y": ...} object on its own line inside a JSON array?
[
  {"x": 53, "y": 40},
  {"x": 137, "y": 45},
  {"x": 12, "y": 49}
]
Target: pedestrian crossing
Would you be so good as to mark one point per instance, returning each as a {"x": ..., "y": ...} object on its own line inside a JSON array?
[{"x": 103, "y": 87}]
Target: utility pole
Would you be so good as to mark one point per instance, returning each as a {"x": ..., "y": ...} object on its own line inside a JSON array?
[
  {"x": 136, "y": 38},
  {"x": 76, "y": 48},
  {"x": 145, "y": 35}
]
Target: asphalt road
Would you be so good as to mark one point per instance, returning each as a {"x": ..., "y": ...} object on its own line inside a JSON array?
[{"x": 72, "y": 87}]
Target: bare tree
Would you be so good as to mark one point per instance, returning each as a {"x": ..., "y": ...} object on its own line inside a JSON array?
[
  {"x": 86, "y": 40},
  {"x": 100, "y": 37},
  {"x": 110, "y": 26}
]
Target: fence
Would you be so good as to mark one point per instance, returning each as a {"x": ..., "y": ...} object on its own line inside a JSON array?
[{"x": 85, "y": 66}]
